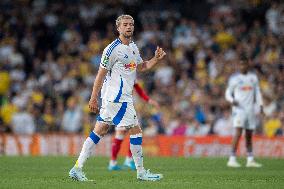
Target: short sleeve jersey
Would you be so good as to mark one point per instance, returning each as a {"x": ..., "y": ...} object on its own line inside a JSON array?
[{"x": 121, "y": 62}]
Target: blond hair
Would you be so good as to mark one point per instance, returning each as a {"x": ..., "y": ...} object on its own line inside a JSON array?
[{"x": 124, "y": 16}]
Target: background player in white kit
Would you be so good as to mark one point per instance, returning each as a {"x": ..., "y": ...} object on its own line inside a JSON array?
[
  {"x": 244, "y": 94},
  {"x": 116, "y": 77}
]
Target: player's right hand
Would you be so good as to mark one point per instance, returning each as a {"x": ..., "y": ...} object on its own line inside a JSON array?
[
  {"x": 235, "y": 103},
  {"x": 154, "y": 103},
  {"x": 159, "y": 53},
  {"x": 93, "y": 105},
  {"x": 262, "y": 112}
]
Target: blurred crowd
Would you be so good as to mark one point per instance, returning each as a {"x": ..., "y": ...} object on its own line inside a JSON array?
[{"x": 50, "y": 53}]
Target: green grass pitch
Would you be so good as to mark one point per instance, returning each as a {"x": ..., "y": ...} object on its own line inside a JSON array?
[{"x": 52, "y": 172}]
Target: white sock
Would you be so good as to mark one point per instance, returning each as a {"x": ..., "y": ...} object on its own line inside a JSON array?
[
  {"x": 137, "y": 155},
  {"x": 250, "y": 158},
  {"x": 85, "y": 152},
  {"x": 119, "y": 137},
  {"x": 136, "y": 150},
  {"x": 88, "y": 145},
  {"x": 128, "y": 159},
  {"x": 232, "y": 158},
  {"x": 112, "y": 162}
]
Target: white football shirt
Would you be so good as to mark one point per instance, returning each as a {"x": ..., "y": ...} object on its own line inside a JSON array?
[
  {"x": 244, "y": 89},
  {"x": 121, "y": 62}
]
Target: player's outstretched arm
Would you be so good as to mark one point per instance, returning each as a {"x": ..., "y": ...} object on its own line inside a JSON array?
[
  {"x": 93, "y": 103},
  {"x": 145, "y": 96},
  {"x": 229, "y": 96},
  {"x": 229, "y": 93},
  {"x": 146, "y": 65},
  {"x": 141, "y": 92}
]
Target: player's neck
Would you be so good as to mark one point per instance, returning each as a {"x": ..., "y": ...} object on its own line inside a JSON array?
[
  {"x": 124, "y": 40},
  {"x": 244, "y": 72}
]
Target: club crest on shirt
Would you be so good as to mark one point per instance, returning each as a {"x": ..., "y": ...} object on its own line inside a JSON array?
[
  {"x": 131, "y": 66},
  {"x": 105, "y": 61}
]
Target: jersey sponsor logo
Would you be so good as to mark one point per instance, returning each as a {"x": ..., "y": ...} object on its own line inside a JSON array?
[
  {"x": 246, "y": 88},
  {"x": 105, "y": 61},
  {"x": 131, "y": 66}
]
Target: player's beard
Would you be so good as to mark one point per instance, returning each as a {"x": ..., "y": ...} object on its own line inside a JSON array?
[{"x": 128, "y": 36}]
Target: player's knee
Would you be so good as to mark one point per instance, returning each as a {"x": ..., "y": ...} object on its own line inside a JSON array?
[
  {"x": 101, "y": 129},
  {"x": 239, "y": 131},
  {"x": 238, "y": 135},
  {"x": 135, "y": 130},
  {"x": 120, "y": 134}
]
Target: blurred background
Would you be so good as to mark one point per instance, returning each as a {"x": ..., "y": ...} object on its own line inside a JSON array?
[{"x": 50, "y": 53}]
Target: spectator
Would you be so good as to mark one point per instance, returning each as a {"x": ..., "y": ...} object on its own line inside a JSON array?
[
  {"x": 23, "y": 122},
  {"x": 53, "y": 52},
  {"x": 272, "y": 125},
  {"x": 72, "y": 117},
  {"x": 223, "y": 125},
  {"x": 151, "y": 130}
]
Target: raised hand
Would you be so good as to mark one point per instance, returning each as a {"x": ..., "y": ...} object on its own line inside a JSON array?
[{"x": 159, "y": 53}]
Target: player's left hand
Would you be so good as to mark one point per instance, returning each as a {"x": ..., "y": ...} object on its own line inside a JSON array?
[
  {"x": 159, "y": 53},
  {"x": 262, "y": 114},
  {"x": 154, "y": 103}
]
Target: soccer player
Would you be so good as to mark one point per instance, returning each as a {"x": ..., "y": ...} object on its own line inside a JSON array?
[
  {"x": 244, "y": 94},
  {"x": 120, "y": 133},
  {"x": 115, "y": 79}
]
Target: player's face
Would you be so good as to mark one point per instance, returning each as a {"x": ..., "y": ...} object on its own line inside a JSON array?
[
  {"x": 244, "y": 67},
  {"x": 126, "y": 28}
]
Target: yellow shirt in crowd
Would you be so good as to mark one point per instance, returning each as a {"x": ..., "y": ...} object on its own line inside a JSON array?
[
  {"x": 271, "y": 126},
  {"x": 5, "y": 82},
  {"x": 7, "y": 111}
]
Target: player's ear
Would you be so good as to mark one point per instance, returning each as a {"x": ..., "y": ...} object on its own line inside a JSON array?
[{"x": 117, "y": 27}]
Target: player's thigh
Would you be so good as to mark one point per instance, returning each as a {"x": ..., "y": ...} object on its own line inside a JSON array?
[
  {"x": 108, "y": 111},
  {"x": 129, "y": 118},
  {"x": 251, "y": 121}
]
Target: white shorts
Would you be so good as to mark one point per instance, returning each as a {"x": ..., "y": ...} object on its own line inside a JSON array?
[
  {"x": 244, "y": 119},
  {"x": 120, "y": 114}
]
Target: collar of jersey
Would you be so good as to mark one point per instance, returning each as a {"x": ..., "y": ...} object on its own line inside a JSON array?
[{"x": 124, "y": 44}]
